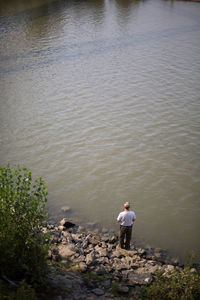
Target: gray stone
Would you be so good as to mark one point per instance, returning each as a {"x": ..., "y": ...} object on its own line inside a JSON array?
[
  {"x": 138, "y": 278},
  {"x": 66, "y": 209},
  {"x": 106, "y": 284},
  {"x": 123, "y": 289},
  {"x": 100, "y": 270},
  {"x": 98, "y": 292},
  {"x": 62, "y": 282}
]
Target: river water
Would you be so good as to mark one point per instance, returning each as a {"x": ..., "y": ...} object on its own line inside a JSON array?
[{"x": 102, "y": 99}]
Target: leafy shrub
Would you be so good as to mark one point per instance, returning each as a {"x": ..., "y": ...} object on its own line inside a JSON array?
[
  {"x": 22, "y": 211},
  {"x": 184, "y": 285},
  {"x": 22, "y": 292}
]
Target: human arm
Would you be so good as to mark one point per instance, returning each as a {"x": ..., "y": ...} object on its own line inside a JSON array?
[
  {"x": 134, "y": 217},
  {"x": 119, "y": 218}
]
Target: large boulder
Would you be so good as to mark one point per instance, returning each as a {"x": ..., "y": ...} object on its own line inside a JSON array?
[
  {"x": 139, "y": 278},
  {"x": 66, "y": 250}
]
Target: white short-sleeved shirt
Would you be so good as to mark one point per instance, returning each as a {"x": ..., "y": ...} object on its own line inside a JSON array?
[{"x": 126, "y": 218}]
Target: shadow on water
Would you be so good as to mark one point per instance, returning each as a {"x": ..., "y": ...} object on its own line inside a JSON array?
[{"x": 14, "y": 19}]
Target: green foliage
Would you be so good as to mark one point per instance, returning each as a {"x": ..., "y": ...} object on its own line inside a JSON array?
[
  {"x": 115, "y": 288},
  {"x": 23, "y": 292},
  {"x": 184, "y": 285},
  {"x": 22, "y": 211},
  {"x": 95, "y": 277}
]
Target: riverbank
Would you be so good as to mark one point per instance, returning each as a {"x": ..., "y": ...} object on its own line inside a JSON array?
[{"x": 84, "y": 264}]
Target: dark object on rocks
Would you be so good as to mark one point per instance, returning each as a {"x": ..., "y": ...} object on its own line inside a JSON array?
[{"x": 66, "y": 223}]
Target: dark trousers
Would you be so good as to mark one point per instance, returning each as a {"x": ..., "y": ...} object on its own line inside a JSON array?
[{"x": 125, "y": 237}]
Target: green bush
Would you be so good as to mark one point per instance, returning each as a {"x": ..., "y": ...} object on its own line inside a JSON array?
[
  {"x": 23, "y": 248},
  {"x": 22, "y": 292},
  {"x": 184, "y": 285}
]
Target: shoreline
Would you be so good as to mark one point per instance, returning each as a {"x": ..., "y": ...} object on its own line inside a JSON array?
[{"x": 88, "y": 265}]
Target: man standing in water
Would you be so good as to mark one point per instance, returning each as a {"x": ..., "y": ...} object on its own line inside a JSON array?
[{"x": 126, "y": 219}]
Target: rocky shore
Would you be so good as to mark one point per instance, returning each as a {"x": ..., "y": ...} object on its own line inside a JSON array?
[{"x": 89, "y": 265}]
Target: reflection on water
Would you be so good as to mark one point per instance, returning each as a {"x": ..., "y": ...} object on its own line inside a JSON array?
[{"x": 101, "y": 98}]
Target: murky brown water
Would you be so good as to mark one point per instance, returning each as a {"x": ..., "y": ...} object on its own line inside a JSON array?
[{"x": 102, "y": 99}]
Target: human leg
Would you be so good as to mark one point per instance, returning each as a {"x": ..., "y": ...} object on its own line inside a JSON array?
[
  {"x": 122, "y": 236},
  {"x": 128, "y": 237}
]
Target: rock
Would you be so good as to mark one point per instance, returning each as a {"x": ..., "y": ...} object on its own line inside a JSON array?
[
  {"x": 193, "y": 270},
  {"x": 138, "y": 278},
  {"x": 80, "y": 229},
  {"x": 61, "y": 228},
  {"x": 140, "y": 251},
  {"x": 94, "y": 240},
  {"x": 111, "y": 247},
  {"x": 124, "y": 274},
  {"x": 104, "y": 230},
  {"x": 100, "y": 270},
  {"x": 90, "y": 258},
  {"x": 105, "y": 238},
  {"x": 116, "y": 253},
  {"x": 66, "y": 250},
  {"x": 103, "y": 260},
  {"x": 44, "y": 230},
  {"x": 106, "y": 284},
  {"x": 103, "y": 245},
  {"x": 81, "y": 258},
  {"x": 62, "y": 282},
  {"x": 123, "y": 289},
  {"x": 66, "y": 223},
  {"x": 168, "y": 269},
  {"x": 153, "y": 269},
  {"x": 83, "y": 267},
  {"x": 76, "y": 237},
  {"x": 66, "y": 209},
  {"x": 127, "y": 252},
  {"x": 102, "y": 252},
  {"x": 85, "y": 244},
  {"x": 55, "y": 254},
  {"x": 113, "y": 239},
  {"x": 119, "y": 267},
  {"x": 98, "y": 292}
]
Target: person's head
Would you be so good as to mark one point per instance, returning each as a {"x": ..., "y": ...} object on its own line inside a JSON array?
[{"x": 127, "y": 205}]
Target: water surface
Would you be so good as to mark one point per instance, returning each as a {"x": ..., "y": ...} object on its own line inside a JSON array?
[{"x": 102, "y": 99}]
